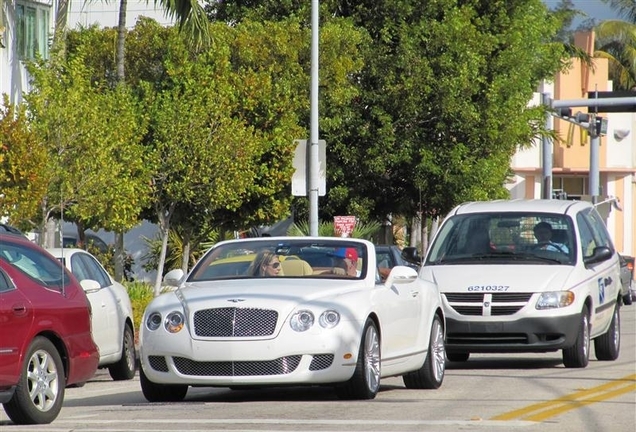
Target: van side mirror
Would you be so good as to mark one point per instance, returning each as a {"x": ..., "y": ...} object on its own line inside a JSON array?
[
  {"x": 411, "y": 255},
  {"x": 600, "y": 254}
]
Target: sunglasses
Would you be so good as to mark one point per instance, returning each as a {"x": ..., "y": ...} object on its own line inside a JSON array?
[{"x": 274, "y": 265}]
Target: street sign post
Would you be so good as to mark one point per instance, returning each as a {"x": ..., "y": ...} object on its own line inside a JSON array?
[
  {"x": 344, "y": 225},
  {"x": 301, "y": 171}
]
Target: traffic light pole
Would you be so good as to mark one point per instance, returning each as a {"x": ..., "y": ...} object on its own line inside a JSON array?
[
  {"x": 546, "y": 154},
  {"x": 594, "y": 127}
]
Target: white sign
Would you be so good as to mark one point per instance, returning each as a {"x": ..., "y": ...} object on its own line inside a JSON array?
[
  {"x": 344, "y": 225},
  {"x": 300, "y": 176}
]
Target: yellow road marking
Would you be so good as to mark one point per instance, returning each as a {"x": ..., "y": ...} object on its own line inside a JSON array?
[{"x": 545, "y": 410}]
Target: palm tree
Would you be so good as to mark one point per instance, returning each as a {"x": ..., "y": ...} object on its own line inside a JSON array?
[{"x": 616, "y": 41}]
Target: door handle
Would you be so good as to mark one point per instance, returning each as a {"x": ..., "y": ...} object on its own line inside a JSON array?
[{"x": 19, "y": 309}]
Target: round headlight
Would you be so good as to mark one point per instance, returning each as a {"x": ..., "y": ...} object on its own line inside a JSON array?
[
  {"x": 174, "y": 322},
  {"x": 153, "y": 321},
  {"x": 302, "y": 320},
  {"x": 329, "y": 319}
]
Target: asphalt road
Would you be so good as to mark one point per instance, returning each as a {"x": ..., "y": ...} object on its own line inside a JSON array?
[{"x": 489, "y": 393}]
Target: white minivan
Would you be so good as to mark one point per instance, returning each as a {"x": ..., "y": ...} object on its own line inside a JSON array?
[{"x": 527, "y": 276}]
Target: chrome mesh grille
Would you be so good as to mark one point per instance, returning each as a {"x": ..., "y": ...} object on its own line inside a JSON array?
[
  {"x": 280, "y": 366},
  {"x": 234, "y": 322},
  {"x": 321, "y": 361},
  {"x": 158, "y": 363},
  {"x": 487, "y": 304}
]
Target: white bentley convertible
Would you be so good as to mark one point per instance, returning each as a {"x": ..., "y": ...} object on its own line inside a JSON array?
[{"x": 278, "y": 311}]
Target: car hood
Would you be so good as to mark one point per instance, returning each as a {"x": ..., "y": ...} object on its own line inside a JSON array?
[{"x": 499, "y": 278}]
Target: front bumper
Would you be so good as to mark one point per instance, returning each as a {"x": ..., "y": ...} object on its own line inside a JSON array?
[
  {"x": 523, "y": 335},
  {"x": 324, "y": 357}
]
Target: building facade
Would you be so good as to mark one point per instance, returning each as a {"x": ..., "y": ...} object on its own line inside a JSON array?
[
  {"x": 571, "y": 153},
  {"x": 27, "y": 27}
]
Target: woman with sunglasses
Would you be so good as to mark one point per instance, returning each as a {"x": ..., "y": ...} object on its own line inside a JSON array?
[{"x": 265, "y": 264}]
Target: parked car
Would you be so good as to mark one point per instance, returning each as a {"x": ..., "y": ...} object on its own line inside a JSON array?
[
  {"x": 71, "y": 240},
  {"x": 112, "y": 321},
  {"x": 10, "y": 229},
  {"x": 389, "y": 256},
  {"x": 628, "y": 290},
  {"x": 325, "y": 318},
  {"x": 509, "y": 288},
  {"x": 46, "y": 341}
]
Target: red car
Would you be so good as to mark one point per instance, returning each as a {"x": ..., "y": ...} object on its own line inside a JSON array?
[{"x": 46, "y": 341}]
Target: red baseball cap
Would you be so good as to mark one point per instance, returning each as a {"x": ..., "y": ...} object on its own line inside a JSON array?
[{"x": 350, "y": 253}]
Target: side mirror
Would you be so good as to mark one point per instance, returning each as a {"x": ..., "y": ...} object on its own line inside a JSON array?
[
  {"x": 90, "y": 285},
  {"x": 173, "y": 277},
  {"x": 411, "y": 255},
  {"x": 600, "y": 254},
  {"x": 399, "y": 275}
]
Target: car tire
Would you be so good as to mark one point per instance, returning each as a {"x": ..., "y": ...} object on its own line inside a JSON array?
[
  {"x": 125, "y": 367},
  {"x": 431, "y": 374},
  {"x": 154, "y": 392},
  {"x": 627, "y": 298},
  {"x": 39, "y": 394},
  {"x": 608, "y": 345},
  {"x": 578, "y": 355},
  {"x": 365, "y": 382},
  {"x": 457, "y": 356}
]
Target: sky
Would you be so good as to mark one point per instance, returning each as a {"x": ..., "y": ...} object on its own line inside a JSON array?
[{"x": 593, "y": 8}]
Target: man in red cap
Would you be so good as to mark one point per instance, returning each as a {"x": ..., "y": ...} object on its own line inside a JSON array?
[{"x": 350, "y": 258}]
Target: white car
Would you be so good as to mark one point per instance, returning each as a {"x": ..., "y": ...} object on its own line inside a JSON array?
[
  {"x": 527, "y": 276},
  {"x": 112, "y": 316},
  {"x": 276, "y": 311}
]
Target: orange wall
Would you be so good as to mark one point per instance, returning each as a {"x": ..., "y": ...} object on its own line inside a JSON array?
[{"x": 573, "y": 152}]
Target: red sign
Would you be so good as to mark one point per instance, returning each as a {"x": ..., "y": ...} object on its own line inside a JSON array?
[{"x": 344, "y": 225}]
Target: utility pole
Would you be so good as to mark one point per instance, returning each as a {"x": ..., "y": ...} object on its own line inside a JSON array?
[
  {"x": 546, "y": 154},
  {"x": 313, "y": 153}
]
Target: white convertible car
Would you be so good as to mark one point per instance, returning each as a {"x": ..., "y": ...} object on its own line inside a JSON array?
[{"x": 278, "y": 311}]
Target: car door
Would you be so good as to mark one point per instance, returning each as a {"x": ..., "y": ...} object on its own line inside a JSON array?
[
  {"x": 603, "y": 278},
  {"x": 105, "y": 323},
  {"x": 16, "y": 315},
  {"x": 400, "y": 308}
]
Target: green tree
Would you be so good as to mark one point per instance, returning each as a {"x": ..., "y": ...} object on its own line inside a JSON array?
[
  {"x": 24, "y": 169},
  {"x": 442, "y": 104},
  {"x": 99, "y": 178}
]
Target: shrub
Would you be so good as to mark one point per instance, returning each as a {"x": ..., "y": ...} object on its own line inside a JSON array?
[{"x": 140, "y": 293}]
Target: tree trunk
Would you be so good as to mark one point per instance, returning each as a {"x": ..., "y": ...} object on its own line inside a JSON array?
[
  {"x": 120, "y": 257},
  {"x": 164, "y": 229},
  {"x": 121, "y": 39},
  {"x": 185, "y": 259}
]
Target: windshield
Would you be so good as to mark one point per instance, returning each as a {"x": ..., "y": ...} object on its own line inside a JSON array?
[
  {"x": 289, "y": 259},
  {"x": 494, "y": 238}
]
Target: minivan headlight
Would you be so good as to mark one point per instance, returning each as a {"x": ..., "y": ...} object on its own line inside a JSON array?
[{"x": 555, "y": 300}]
